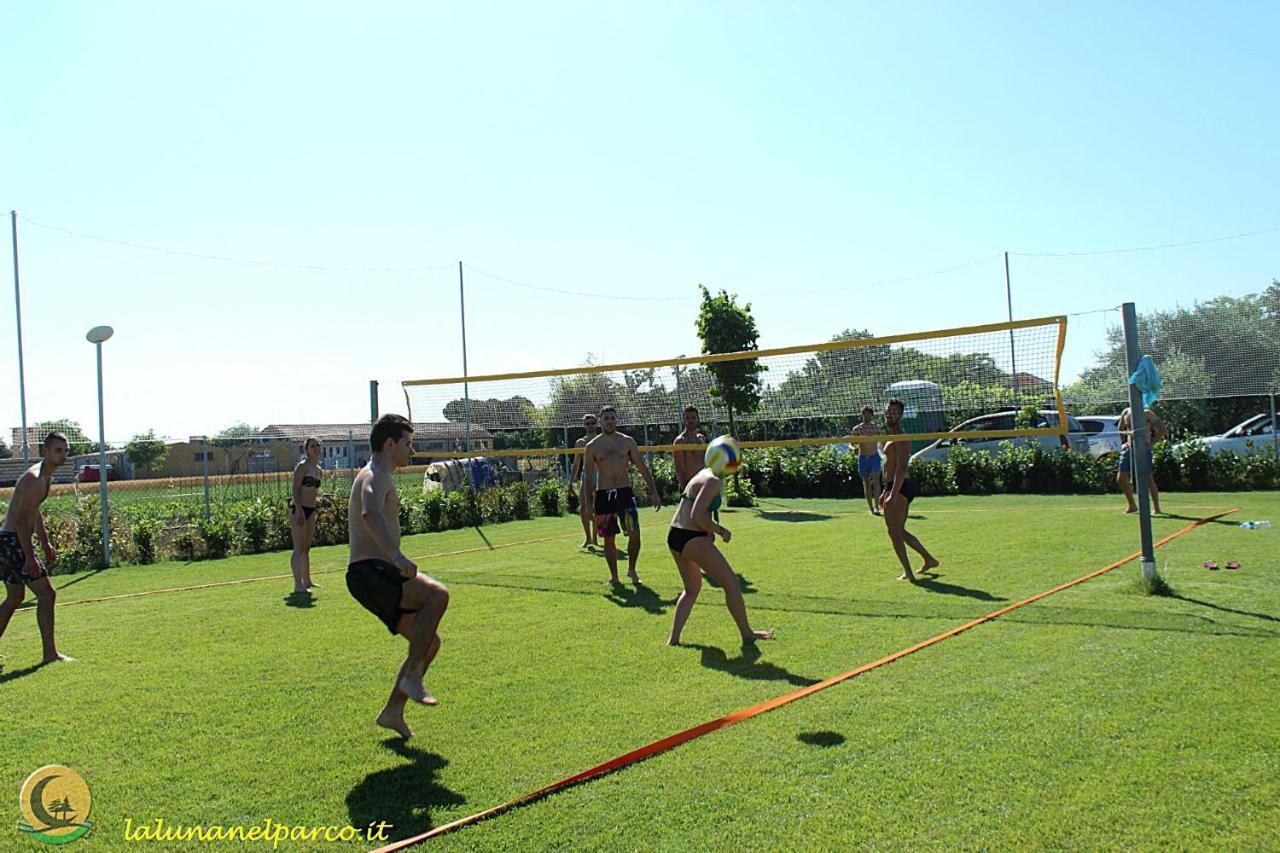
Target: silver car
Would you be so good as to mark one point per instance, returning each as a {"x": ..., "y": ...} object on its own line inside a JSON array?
[
  {"x": 1104, "y": 437},
  {"x": 1251, "y": 437},
  {"x": 1076, "y": 438}
]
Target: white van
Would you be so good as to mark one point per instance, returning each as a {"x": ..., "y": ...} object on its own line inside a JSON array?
[{"x": 1076, "y": 439}]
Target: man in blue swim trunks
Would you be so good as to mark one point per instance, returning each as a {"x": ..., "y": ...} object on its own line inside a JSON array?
[
  {"x": 1156, "y": 431},
  {"x": 869, "y": 460}
]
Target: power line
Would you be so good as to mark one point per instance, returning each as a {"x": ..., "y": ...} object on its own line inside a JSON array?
[
  {"x": 224, "y": 258},
  {"x": 881, "y": 282},
  {"x": 1146, "y": 248},
  {"x": 577, "y": 292}
]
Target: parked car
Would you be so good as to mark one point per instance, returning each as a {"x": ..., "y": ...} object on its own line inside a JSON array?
[
  {"x": 1104, "y": 437},
  {"x": 90, "y": 474},
  {"x": 1244, "y": 439},
  {"x": 1076, "y": 438}
]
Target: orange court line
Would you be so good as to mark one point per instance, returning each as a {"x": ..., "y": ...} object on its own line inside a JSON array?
[{"x": 671, "y": 741}]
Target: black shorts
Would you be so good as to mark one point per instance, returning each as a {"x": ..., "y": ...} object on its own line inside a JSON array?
[
  {"x": 678, "y": 537},
  {"x": 13, "y": 561},
  {"x": 910, "y": 490},
  {"x": 378, "y": 586},
  {"x": 616, "y": 511}
]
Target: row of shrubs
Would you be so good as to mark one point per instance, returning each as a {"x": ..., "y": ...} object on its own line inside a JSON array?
[
  {"x": 785, "y": 472},
  {"x": 147, "y": 533}
]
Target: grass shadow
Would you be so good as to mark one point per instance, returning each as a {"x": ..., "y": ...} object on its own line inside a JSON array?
[
  {"x": 1221, "y": 521},
  {"x": 487, "y": 543},
  {"x": 82, "y": 576},
  {"x": 301, "y": 600},
  {"x": 19, "y": 673},
  {"x": 747, "y": 665},
  {"x": 641, "y": 597},
  {"x": 402, "y": 796},
  {"x": 793, "y": 516},
  {"x": 938, "y": 586},
  {"x": 823, "y": 739},
  {"x": 747, "y": 587},
  {"x": 1219, "y": 607}
]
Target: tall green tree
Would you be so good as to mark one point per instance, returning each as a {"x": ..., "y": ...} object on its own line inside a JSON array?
[
  {"x": 146, "y": 451},
  {"x": 724, "y": 326}
]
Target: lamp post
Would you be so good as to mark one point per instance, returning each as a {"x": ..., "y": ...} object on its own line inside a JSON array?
[{"x": 96, "y": 336}]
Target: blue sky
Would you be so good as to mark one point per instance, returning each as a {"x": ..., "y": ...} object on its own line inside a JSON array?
[{"x": 772, "y": 149}]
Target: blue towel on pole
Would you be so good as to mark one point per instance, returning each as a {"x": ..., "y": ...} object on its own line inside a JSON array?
[{"x": 1147, "y": 378}]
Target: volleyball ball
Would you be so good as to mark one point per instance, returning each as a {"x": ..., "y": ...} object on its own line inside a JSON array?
[{"x": 723, "y": 455}]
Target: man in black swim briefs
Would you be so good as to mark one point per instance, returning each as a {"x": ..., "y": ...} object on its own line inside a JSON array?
[
  {"x": 899, "y": 491},
  {"x": 382, "y": 578}
]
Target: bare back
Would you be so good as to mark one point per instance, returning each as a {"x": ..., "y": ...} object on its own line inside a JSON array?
[
  {"x": 1155, "y": 427},
  {"x": 372, "y": 481}
]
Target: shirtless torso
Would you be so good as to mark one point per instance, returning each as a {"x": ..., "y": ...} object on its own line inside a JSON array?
[
  {"x": 867, "y": 448},
  {"x": 364, "y": 546},
  {"x": 610, "y": 456}
]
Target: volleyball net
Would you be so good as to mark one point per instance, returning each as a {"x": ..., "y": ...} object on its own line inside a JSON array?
[{"x": 810, "y": 394}]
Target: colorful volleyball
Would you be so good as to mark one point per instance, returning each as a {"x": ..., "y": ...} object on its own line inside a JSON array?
[{"x": 723, "y": 455}]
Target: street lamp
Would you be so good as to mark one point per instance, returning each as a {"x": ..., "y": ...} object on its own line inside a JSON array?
[{"x": 96, "y": 336}]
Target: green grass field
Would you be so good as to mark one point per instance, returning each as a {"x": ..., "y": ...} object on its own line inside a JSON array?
[{"x": 1099, "y": 717}]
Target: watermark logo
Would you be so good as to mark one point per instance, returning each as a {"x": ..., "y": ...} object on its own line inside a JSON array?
[{"x": 55, "y": 803}]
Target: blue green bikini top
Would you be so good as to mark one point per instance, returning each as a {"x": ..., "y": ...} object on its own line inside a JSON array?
[{"x": 715, "y": 505}]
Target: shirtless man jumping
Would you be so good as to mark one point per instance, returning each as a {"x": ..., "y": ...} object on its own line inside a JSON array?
[
  {"x": 610, "y": 456},
  {"x": 382, "y": 578},
  {"x": 19, "y": 566}
]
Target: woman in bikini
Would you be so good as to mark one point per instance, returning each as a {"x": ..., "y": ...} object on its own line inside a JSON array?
[
  {"x": 302, "y": 513},
  {"x": 899, "y": 491},
  {"x": 692, "y": 538}
]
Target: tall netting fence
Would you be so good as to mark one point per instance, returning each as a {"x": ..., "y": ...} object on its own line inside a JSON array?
[{"x": 1219, "y": 364}]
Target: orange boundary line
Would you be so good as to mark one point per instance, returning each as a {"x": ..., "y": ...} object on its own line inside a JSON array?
[{"x": 671, "y": 741}]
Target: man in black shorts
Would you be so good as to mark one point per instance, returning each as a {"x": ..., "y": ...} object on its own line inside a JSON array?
[
  {"x": 19, "y": 566},
  {"x": 382, "y": 578},
  {"x": 899, "y": 491},
  {"x": 609, "y": 457}
]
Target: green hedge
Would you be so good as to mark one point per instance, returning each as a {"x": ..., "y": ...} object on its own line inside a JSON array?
[
  {"x": 805, "y": 472},
  {"x": 145, "y": 533}
]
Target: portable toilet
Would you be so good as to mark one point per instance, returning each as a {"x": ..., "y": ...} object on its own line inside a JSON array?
[{"x": 922, "y": 409}]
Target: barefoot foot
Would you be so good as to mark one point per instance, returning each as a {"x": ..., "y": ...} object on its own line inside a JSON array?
[
  {"x": 907, "y": 576},
  {"x": 57, "y": 657},
  {"x": 394, "y": 719},
  {"x": 416, "y": 690},
  {"x": 929, "y": 565},
  {"x": 757, "y": 635}
]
